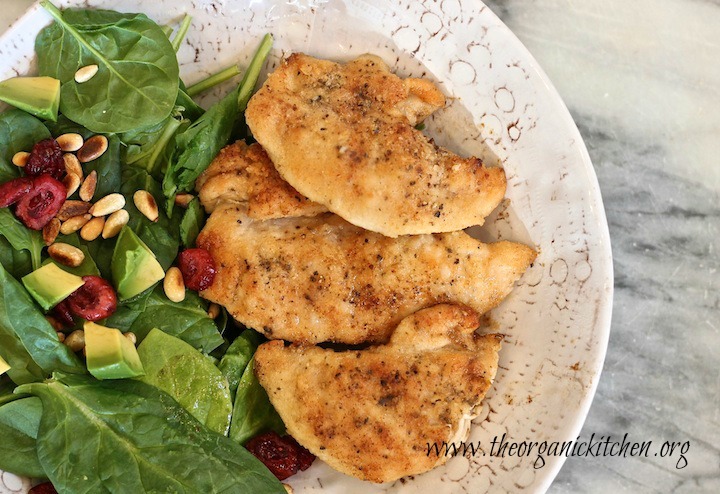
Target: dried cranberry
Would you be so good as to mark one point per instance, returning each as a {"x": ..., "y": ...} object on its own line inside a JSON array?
[
  {"x": 46, "y": 158},
  {"x": 41, "y": 203},
  {"x": 305, "y": 457},
  {"x": 198, "y": 268},
  {"x": 44, "y": 488},
  {"x": 94, "y": 300},
  {"x": 12, "y": 191},
  {"x": 279, "y": 456},
  {"x": 62, "y": 313}
]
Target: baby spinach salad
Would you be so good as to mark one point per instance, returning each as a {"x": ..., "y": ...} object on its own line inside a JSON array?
[{"x": 115, "y": 375}]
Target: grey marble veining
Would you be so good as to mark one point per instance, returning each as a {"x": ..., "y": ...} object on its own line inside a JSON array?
[{"x": 655, "y": 149}]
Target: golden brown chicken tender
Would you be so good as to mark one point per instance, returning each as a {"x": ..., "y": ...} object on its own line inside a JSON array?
[
  {"x": 371, "y": 413},
  {"x": 317, "y": 279},
  {"x": 245, "y": 174},
  {"x": 343, "y": 135}
]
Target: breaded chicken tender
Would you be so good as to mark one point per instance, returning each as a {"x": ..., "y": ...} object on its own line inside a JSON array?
[
  {"x": 371, "y": 413},
  {"x": 321, "y": 279},
  {"x": 343, "y": 135},
  {"x": 245, "y": 174}
]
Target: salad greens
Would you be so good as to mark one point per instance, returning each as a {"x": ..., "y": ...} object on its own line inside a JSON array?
[
  {"x": 19, "y": 422},
  {"x": 137, "y": 81},
  {"x": 28, "y": 342},
  {"x": 135, "y": 438},
  {"x": 192, "y": 221},
  {"x": 16, "y": 262},
  {"x": 237, "y": 357},
  {"x": 213, "y": 80},
  {"x": 168, "y": 430},
  {"x": 187, "y": 320},
  {"x": 188, "y": 376},
  {"x": 148, "y": 147},
  {"x": 21, "y": 238},
  {"x": 19, "y": 131},
  {"x": 198, "y": 145},
  {"x": 87, "y": 267},
  {"x": 6, "y": 390},
  {"x": 163, "y": 235},
  {"x": 253, "y": 413}
]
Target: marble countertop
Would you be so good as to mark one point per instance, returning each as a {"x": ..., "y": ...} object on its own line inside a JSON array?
[{"x": 641, "y": 79}]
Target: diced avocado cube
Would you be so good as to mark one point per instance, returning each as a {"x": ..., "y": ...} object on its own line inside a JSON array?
[
  {"x": 134, "y": 266},
  {"x": 109, "y": 354},
  {"x": 4, "y": 367},
  {"x": 37, "y": 95},
  {"x": 50, "y": 284}
]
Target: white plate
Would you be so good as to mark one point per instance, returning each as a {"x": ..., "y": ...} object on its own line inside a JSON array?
[{"x": 557, "y": 320}]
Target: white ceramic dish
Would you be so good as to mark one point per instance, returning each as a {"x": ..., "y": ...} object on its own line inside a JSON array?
[{"x": 503, "y": 108}]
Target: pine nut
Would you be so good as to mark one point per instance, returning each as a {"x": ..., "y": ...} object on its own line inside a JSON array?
[
  {"x": 115, "y": 223},
  {"x": 183, "y": 199},
  {"x": 74, "y": 224},
  {"x": 174, "y": 285},
  {"x": 50, "y": 231},
  {"x": 87, "y": 189},
  {"x": 92, "y": 149},
  {"x": 92, "y": 229},
  {"x": 146, "y": 204},
  {"x": 108, "y": 205},
  {"x": 61, "y": 336},
  {"x": 131, "y": 336},
  {"x": 72, "y": 183},
  {"x": 75, "y": 341},
  {"x": 288, "y": 488},
  {"x": 86, "y": 73},
  {"x": 214, "y": 311},
  {"x": 66, "y": 254},
  {"x": 70, "y": 142},
  {"x": 20, "y": 158},
  {"x": 72, "y": 208},
  {"x": 72, "y": 165}
]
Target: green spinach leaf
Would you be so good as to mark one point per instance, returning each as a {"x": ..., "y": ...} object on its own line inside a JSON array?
[
  {"x": 6, "y": 390},
  {"x": 137, "y": 80},
  {"x": 150, "y": 147},
  {"x": 161, "y": 236},
  {"x": 188, "y": 376},
  {"x": 253, "y": 413},
  {"x": 198, "y": 145},
  {"x": 28, "y": 342},
  {"x": 107, "y": 166},
  {"x": 19, "y": 423},
  {"x": 136, "y": 438},
  {"x": 192, "y": 222},
  {"x": 191, "y": 110},
  {"x": 19, "y": 131},
  {"x": 201, "y": 142},
  {"x": 87, "y": 267},
  {"x": 101, "y": 251},
  {"x": 21, "y": 237},
  {"x": 64, "y": 125},
  {"x": 237, "y": 357},
  {"x": 187, "y": 320},
  {"x": 16, "y": 262}
]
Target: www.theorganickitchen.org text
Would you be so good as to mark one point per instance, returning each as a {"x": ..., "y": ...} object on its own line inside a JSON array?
[{"x": 602, "y": 446}]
